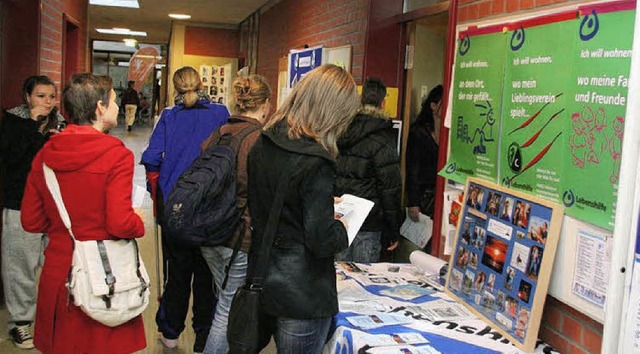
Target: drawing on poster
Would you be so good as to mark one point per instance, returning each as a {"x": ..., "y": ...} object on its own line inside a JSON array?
[{"x": 519, "y": 257}]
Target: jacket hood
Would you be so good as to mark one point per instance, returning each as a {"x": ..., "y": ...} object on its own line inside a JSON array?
[
  {"x": 362, "y": 126},
  {"x": 76, "y": 147},
  {"x": 279, "y": 135}
]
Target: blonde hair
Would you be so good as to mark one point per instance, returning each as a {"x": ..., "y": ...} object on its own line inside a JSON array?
[
  {"x": 186, "y": 81},
  {"x": 250, "y": 92},
  {"x": 321, "y": 106}
]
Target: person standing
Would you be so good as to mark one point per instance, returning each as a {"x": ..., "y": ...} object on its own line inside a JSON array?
[
  {"x": 95, "y": 173},
  {"x": 252, "y": 96},
  {"x": 173, "y": 146},
  {"x": 369, "y": 167},
  {"x": 24, "y": 130},
  {"x": 299, "y": 296},
  {"x": 131, "y": 102}
]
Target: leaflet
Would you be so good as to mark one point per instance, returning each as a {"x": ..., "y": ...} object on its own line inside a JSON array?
[{"x": 354, "y": 211}]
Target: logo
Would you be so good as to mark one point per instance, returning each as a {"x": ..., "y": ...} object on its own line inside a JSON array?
[
  {"x": 514, "y": 158},
  {"x": 517, "y": 39},
  {"x": 568, "y": 198},
  {"x": 451, "y": 168},
  {"x": 465, "y": 45},
  {"x": 506, "y": 181},
  {"x": 589, "y": 26}
]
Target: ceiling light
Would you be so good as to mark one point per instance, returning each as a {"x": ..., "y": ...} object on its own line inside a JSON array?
[
  {"x": 130, "y": 42},
  {"x": 118, "y": 3},
  {"x": 123, "y": 31},
  {"x": 180, "y": 16}
]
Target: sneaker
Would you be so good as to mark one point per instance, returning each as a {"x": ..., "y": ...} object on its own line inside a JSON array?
[
  {"x": 21, "y": 336},
  {"x": 168, "y": 343}
]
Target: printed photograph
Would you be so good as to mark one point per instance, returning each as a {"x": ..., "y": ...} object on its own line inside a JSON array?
[
  {"x": 213, "y": 91},
  {"x": 214, "y": 70},
  {"x": 522, "y": 322},
  {"x": 477, "y": 238},
  {"x": 510, "y": 307},
  {"x": 493, "y": 203},
  {"x": 488, "y": 300},
  {"x": 524, "y": 292},
  {"x": 467, "y": 282},
  {"x": 491, "y": 283},
  {"x": 204, "y": 71},
  {"x": 500, "y": 301},
  {"x": 503, "y": 321},
  {"x": 535, "y": 258},
  {"x": 205, "y": 80},
  {"x": 479, "y": 283},
  {"x": 213, "y": 80},
  {"x": 477, "y": 298},
  {"x": 466, "y": 230},
  {"x": 495, "y": 254},
  {"x": 455, "y": 281},
  {"x": 462, "y": 257},
  {"x": 520, "y": 235},
  {"x": 473, "y": 262},
  {"x": 519, "y": 256},
  {"x": 506, "y": 209},
  {"x": 538, "y": 230},
  {"x": 476, "y": 194},
  {"x": 221, "y": 71},
  {"x": 521, "y": 214},
  {"x": 509, "y": 278}
]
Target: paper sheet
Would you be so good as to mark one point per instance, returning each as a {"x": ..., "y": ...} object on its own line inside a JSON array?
[
  {"x": 427, "y": 263},
  {"x": 137, "y": 196},
  {"x": 417, "y": 232},
  {"x": 354, "y": 211},
  {"x": 593, "y": 260}
]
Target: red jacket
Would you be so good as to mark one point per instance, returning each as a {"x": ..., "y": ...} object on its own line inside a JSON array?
[{"x": 95, "y": 173}]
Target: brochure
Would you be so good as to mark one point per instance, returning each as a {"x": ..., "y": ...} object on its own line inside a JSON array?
[{"x": 354, "y": 211}]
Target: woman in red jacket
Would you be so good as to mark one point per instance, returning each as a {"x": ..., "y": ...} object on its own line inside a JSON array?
[{"x": 95, "y": 173}]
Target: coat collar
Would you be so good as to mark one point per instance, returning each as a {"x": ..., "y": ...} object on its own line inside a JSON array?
[{"x": 278, "y": 134}]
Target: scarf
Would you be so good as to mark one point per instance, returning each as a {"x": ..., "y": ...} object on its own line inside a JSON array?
[{"x": 202, "y": 96}]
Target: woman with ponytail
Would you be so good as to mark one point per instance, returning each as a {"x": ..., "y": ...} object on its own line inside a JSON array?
[{"x": 174, "y": 145}]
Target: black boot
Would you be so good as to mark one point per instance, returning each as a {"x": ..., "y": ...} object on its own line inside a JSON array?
[{"x": 128, "y": 128}]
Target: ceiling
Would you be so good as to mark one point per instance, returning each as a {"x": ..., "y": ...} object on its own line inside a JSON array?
[{"x": 152, "y": 16}]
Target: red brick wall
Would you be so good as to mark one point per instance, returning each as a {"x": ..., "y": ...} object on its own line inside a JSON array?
[
  {"x": 211, "y": 42},
  {"x": 293, "y": 23},
  {"x": 562, "y": 327}
]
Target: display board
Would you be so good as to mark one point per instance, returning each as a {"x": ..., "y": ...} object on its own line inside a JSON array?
[
  {"x": 503, "y": 256},
  {"x": 538, "y": 106},
  {"x": 215, "y": 80},
  {"x": 302, "y": 61}
]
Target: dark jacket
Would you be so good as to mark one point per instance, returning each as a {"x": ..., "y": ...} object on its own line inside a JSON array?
[
  {"x": 300, "y": 278},
  {"x": 130, "y": 96},
  {"x": 20, "y": 140},
  {"x": 369, "y": 167},
  {"x": 422, "y": 163},
  {"x": 234, "y": 125}
]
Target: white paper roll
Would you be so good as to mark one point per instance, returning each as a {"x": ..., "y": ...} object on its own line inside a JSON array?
[{"x": 427, "y": 263}]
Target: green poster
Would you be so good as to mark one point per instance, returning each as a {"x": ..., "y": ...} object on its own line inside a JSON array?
[
  {"x": 596, "y": 103},
  {"x": 534, "y": 108},
  {"x": 476, "y": 103}
]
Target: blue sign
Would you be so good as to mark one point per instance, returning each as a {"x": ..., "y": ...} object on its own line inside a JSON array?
[{"x": 301, "y": 62}]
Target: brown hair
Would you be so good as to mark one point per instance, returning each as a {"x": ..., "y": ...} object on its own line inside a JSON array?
[
  {"x": 321, "y": 106},
  {"x": 186, "y": 81},
  {"x": 250, "y": 92},
  {"x": 81, "y": 95}
]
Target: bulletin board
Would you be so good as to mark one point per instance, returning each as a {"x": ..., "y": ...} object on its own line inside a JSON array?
[
  {"x": 216, "y": 82},
  {"x": 503, "y": 257}
]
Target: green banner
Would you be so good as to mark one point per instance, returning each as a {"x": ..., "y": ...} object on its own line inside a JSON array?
[
  {"x": 533, "y": 112},
  {"x": 477, "y": 94},
  {"x": 596, "y": 104}
]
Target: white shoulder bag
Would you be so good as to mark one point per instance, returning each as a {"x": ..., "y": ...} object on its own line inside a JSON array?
[{"x": 107, "y": 280}]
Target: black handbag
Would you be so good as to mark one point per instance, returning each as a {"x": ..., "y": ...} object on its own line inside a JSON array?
[{"x": 245, "y": 332}]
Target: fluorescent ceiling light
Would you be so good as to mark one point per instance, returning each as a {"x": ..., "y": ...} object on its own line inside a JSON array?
[
  {"x": 130, "y": 42},
  {"x": 122, "y": 31},
  {"x": 180, "y": 16},
  {"x": 118, "y": 3}
]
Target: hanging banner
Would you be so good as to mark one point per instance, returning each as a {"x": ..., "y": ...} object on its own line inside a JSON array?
[
  {"x": 596, "y": 106},
  {"x": 538, "y": 55},
  {"x": 141, "y": 65},
  {"x": 477, "y": 98}
]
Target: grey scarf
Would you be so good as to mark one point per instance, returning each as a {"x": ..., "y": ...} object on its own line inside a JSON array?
[{"x": 202, "y": 95}]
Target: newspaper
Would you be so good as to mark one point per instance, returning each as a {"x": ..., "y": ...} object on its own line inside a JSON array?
[
  {"x": 442, "y": 311},
  {"x": 377, "y": 320},
  {"x": 354, "y": 211}
]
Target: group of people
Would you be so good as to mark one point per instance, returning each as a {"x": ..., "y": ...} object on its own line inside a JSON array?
[{"x": 343, "y": 146}]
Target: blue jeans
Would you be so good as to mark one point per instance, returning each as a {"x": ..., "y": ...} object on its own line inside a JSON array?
[
  {"x": 218, "y": 258},
  {"x": 365, "y": 248},
  {"x": 301, "y": 336}
]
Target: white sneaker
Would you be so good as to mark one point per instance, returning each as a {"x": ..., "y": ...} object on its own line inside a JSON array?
[
  {"x": 21, "y": 336},
  {"x": 168, "y": 343}
]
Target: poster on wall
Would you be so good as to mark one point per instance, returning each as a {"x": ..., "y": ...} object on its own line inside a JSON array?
[
  {"x": 502, "y": 258},
  {"x": 538, "y": 54},
  {"x": 215, "y": 81},
  {"x": 300, "y": 62},
  {"x": 596, "y": 107},
  {"x": 477, "y": 98}
]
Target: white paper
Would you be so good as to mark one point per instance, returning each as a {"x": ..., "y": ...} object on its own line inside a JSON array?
[
  {"x": 363, "y": 306},
  {"x": 350, "y": 290},
  {"x": 631, "y": 336},
  {"x": 417, "y": 232},
  {"x": 442, "y": 310},
  {"x": 137, "y": 196},
  {"x": 379, "y": 340},
  {"x": 354, "y": 211},
  {"x": 377, "y": 320},
  {"x": 593, "y": 260},
  {"x": 426, "y": 263}
]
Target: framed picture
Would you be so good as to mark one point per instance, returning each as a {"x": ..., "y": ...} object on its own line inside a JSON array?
[{"x": 504, "y": 251}]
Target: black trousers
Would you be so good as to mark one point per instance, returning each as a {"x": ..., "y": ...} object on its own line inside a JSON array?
[{"x": 185, "y": 270}]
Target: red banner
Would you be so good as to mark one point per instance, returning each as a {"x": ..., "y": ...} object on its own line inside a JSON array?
[{"x": 141, "y": 64}]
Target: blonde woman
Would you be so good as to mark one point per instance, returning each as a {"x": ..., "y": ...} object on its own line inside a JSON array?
[
  {"x": 252, "y": 104},
  {"x": 174, "y": 145},
  {"x": 299, "y": 294}
]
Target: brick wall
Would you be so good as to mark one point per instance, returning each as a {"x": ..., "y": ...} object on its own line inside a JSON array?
[
  {"x": 293, "y": 23},
  {"x": 562, "y": 327},
  {"x": 211, "y": 42}
]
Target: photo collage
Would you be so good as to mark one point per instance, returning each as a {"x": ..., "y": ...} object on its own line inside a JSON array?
[
  {"x": 215, "y": 82},
  {"x": 498, "y": 255}
]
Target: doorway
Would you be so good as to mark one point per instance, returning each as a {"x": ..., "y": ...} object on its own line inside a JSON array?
[{"x": 70, "y": 46}]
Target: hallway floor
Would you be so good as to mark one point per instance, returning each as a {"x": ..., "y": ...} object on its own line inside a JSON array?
[{"x": 136, "y": 141}]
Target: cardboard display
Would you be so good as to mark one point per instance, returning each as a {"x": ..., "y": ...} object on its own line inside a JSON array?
[{"x": 503, "y": 256}]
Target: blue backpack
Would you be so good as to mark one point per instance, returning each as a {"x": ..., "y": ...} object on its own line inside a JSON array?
[{"x": 202, "y": 208}]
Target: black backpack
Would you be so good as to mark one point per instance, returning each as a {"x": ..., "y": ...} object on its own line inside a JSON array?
[{"x": 202, "y": 208}]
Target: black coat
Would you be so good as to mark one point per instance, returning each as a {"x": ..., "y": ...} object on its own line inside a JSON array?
[
  {"x": 422, "y": 163},
  {"x": 300, "y": 281},
  {"x": 369, "y": 167},
  {"x": 20, "y": 140}
]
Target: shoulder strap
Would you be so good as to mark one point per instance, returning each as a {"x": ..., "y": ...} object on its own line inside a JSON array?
[
  {"x": 54, "y": 188},
  {"x": 272, "y": 223}
]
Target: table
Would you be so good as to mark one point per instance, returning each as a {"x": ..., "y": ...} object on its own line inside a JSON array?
[{"x": 431, "y": 322}]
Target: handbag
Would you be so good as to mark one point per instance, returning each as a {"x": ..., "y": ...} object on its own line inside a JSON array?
[
  {"x": 107, "y": 279},
  {"x": 244, "y": 328}
]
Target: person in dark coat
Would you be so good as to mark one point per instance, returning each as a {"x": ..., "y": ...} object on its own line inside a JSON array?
[
  {"x": 299, "y": 297},
  {"x": 369, "y": 167},
  {"x": 131, "y": 102}
]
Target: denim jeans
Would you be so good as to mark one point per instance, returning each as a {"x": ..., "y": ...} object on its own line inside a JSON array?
[
  {"x": 218, "y": 258},
  {"x": 301, "y": 336},
  {"x": 365, "y": 248}
]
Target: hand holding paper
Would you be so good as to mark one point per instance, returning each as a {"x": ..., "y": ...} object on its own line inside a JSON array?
[{"x": 352, "y": 211}]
